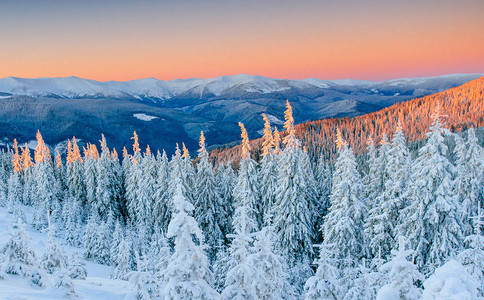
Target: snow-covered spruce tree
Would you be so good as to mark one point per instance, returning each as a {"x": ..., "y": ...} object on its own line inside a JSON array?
[
  {"x": 159, "y": 204},
  {"x": 74, "y": 175},
  {"x": 14, "y": 182},
  {"x": 63, "y": 281},
  {"x": 91, "y": 156},
  {"x": 326, "y": 283},
  {"x": 133, "y": 180},
  {"x": 54, "y": 258},
  {"x": 45, "y": 185},
  {"x": 246, "y": 193},
  {"x": 226, "y": 180},
  {"x": 164, "y": 202},
  {"x": 106, "y": 183},
  {"x": 27, "y": 175},
  {"x": 96, "y": 240},
  {"x": 14, "y": 191},
  {"x": 117, "y": 236},
  {"x": 431, "y": 220},
  {"x": 122, "y": 260},
  {"x": 270, "y": 280},
  {"x": 400, "y": 275},
  {"x": 469, "y": 181},
  {"x": 188, "y": 272},
  {"x": 268, "y": 173},
  {"x": 384, "y": 216},
  {"x": 141, "y": 280},
  {"x": 240, "y": 279},
  {"x": 344, "y": 237},
  {"x": 323, "y": 176},
  {"x": 364, "y": 282},
  {"x": 377, "y": 172},
  {"x": 293, "y": 218},
  {"x": 188, "y": 174},
  {"x": 220, "y": 266},
  {"x": 76, "y": 267},
  {"x": 473, "y": 256},
  {"x": 5, "y": 170},
  {"x": 19, "y": 257},
  {"x": 146, "y": 191},
  {"x": 72, "y": 215},
  {"x": 208, "y": 204}
]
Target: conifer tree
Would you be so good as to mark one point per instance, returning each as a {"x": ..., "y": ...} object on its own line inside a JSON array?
[
  {"x": 325, "y": 284},
  {"x": 469, "y": 181},
  {"x": 106, "y": 183},
  {"x": 123, "y": 260},
  {"x": 245, "y": 192},
  {"x": 268, "y": 172},
  {"x": 343, "y": 233},
  {"x": 96, "y": 240},
  {"x": 134, "y": 177},
  {"x": 209, "y": 211},
  {"x": 159, "y": 205},
  {"x": 323, "y": 176},
  {"x": 401, "y": 275},
  {"x": 384, "y": 213},
  {"x": 76, "y": 267},
  {"x": 472, "y": 258},
  {"x": 54, "y": 258},
  {"x": 90, "y": 181},
  {"x": 431, "y": 221},
  {"x": 270, "y": 280},
  {"x": 226, "y": 180},
  {"x": 164, "y": 204},
  {"x": 19, "y": 257},
  {"x": 74, "y": 174},
  {"x": 293, "y": 219},
  {"x": 45, "y": 184},
  {"x": 188, "y": 271}
]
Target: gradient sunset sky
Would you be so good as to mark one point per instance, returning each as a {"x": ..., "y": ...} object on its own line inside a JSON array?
[{"x": 124, "y": 40}]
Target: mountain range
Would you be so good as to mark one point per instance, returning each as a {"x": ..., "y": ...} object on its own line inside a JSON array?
[{"x": 166, "y": 112}]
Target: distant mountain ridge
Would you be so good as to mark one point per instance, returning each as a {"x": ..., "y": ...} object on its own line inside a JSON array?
[
  {"x": 165, "y": 113},
  {"x": 249, "y": 86}
]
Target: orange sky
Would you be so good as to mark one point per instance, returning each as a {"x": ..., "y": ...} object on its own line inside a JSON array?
[{"x": 180, "y": 39}]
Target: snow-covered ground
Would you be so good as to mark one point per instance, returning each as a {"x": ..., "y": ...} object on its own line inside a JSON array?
[
  {"x": 97, "y": 284},
  {"x": 144, "y": 117}
]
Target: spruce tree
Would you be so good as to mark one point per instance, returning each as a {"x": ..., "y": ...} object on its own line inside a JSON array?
[
  {"x": 431, "y": 221},
  {"x": 270, "y": 280},
  {"x": 401, "y": 275},
  {"x": 268, "y": 173},
  {"x": 209, "y": 209},
  {"x": 325, "y": 284},
  {"x": 293, "y": 218},
  {"x": 188, "y": 271},
  {"x": 472, "y": 258},
  {"x": 384, "y": 213},
  {"x": 54, "y": 258},
  {"x": 19, "y": 257},
  {"x": 343, "y": 233},
  {"x": 469, "y": 181}
]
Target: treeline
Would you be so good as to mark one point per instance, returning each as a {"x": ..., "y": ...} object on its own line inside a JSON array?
[
  {"x": 285, "y": 227},
  {"x": 463, "y": 107}
]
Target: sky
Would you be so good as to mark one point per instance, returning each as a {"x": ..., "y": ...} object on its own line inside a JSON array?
[{"x": 124, "y": 40}]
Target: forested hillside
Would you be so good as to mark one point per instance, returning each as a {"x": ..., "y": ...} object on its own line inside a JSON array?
[{"x": 462, "y": 106}]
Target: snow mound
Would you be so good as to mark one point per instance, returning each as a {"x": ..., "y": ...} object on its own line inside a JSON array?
[{"x": 450, "y": 282}]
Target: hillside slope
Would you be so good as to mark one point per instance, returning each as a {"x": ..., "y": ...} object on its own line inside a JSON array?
[{"x": 463, "y": 106}]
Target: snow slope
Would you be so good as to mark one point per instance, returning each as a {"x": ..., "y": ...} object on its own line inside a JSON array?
[{"x": 97, "y": 285}]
